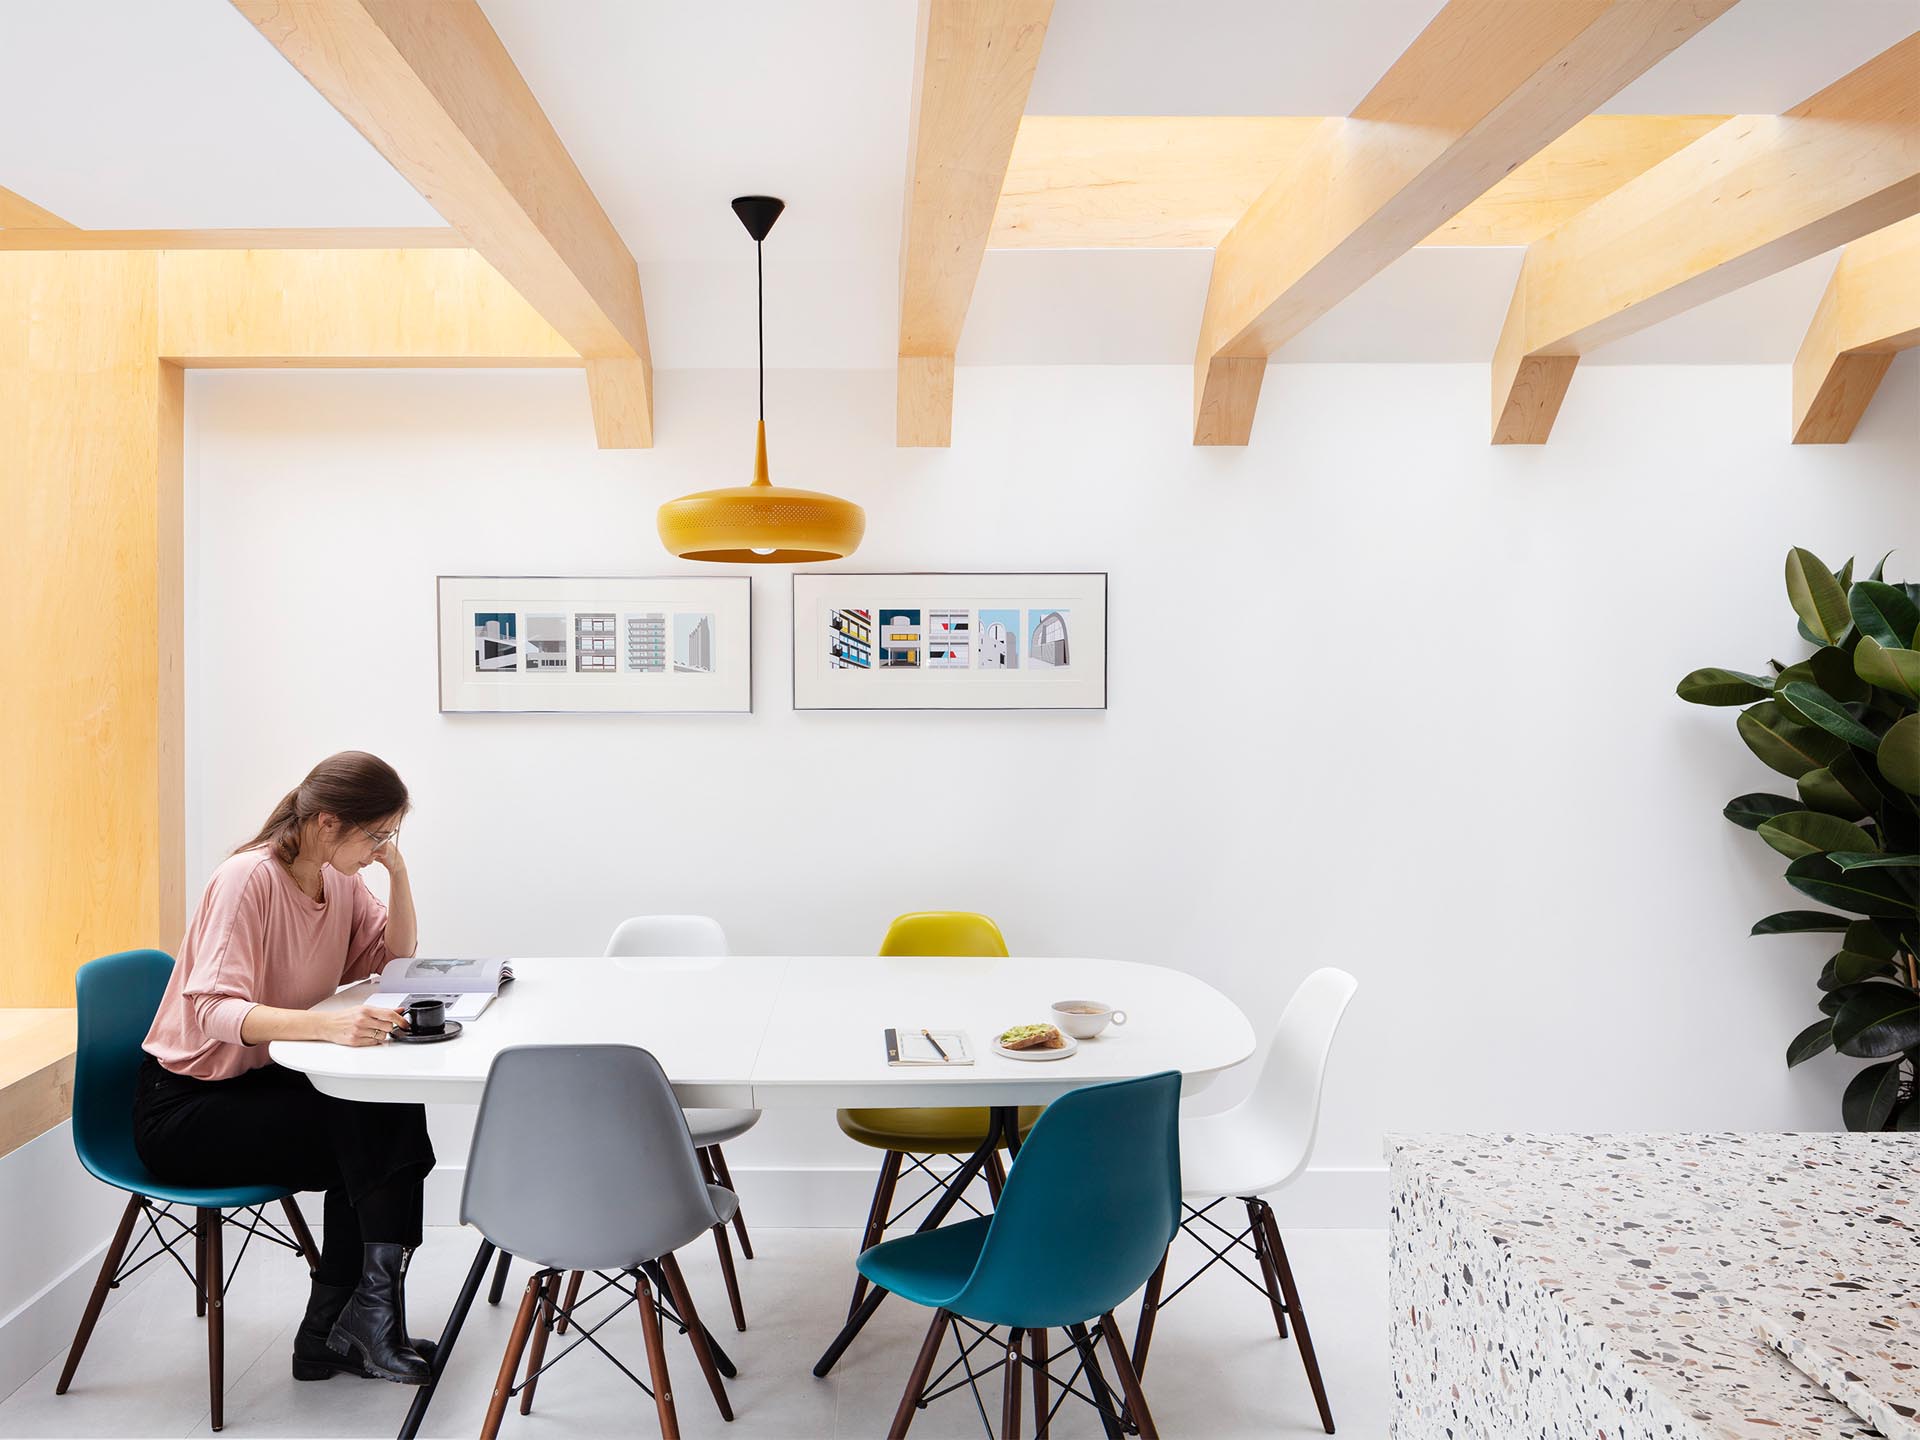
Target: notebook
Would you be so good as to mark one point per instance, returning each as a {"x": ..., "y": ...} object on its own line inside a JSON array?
[{"x": 906, "y": 1045}]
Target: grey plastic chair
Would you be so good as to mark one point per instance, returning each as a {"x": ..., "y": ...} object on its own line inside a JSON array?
[
  {"x": 581, "y": 1161},
  {"x": 666, "y": 935}
]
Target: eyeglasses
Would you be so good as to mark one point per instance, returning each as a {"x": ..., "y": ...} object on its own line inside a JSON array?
[{"x": 377, "y": 838}]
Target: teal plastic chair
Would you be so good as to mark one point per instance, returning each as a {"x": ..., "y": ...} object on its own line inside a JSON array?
[
  {"x": 117, "y": 997},
  {"x": 1086, "y": 1214}
]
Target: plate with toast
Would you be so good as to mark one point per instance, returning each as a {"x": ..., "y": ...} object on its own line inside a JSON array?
[{"x": 1034, "y": 1042}]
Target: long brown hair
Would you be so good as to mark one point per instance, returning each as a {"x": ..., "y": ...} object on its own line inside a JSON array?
[{"x": 358, "y": 787}]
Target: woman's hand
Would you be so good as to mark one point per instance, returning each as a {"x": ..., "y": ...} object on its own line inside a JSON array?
[
  {"x": 388, "y": 855},
  {"x": 367, "y": 1025}
]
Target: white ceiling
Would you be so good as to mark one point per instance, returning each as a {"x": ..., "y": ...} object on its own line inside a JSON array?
[{"x": 175, "y": 113}]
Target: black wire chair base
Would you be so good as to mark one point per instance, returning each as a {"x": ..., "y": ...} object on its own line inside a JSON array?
[
  {"x": 251, "y": 1218},
  {"x": 1115, "y": 1416}
]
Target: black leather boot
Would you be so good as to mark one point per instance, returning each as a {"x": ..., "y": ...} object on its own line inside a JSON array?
[
  {"x": 372, "y": 1325},
  {"x": 312, "y": 1360}
]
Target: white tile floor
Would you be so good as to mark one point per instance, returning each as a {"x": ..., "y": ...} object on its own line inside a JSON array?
[{"x": 1217, "y": 1369}]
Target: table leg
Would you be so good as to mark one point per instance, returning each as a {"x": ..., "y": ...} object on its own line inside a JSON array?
[
  {"x": 423, "y": 1397},
  {"x": 1002, "y": 1121}
]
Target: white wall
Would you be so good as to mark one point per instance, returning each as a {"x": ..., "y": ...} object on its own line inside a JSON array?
[{"x": 1382, "y": 696}]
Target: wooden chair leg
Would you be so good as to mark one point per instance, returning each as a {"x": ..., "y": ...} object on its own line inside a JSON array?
[
  {"x": 1010, "y": 1389},
  {"x": 740, "y": 1212},
  {"x": 995, "y": 1176},
  {"x": 696, "y": 1333},
  {"x": 1038, "y": 1340},
  {"x": 499, "y": 1278},
  {"x": 510, "y": 1362},
  {"x": 297, "y": 1223},
  {"x": 917, "y": 1381},
  {"x": 109, "y": 1267},
  {"x": 657, "y": 1359},
  {"x": 566, "y": 1305},
  {"x": 727, "y": 1274},
  {"x": 1267, "y": 1270},
  {"x": 1097, "y": 1383},
  {"x": 877, "y": 1219},
  {"x": 216, "y": 1286},
  {"x": 1149, "y": 1312},
  {"x": 1129, "y": 1381},
  {"x": 199, "y": 1272},
  {"x": 542, "y": 1328},
  {"x": 1292, "y": 1293}
]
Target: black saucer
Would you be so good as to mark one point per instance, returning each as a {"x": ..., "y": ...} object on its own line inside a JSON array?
[{"x": 407, "y": 1037}]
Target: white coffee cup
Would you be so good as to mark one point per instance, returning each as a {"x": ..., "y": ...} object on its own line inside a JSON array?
[{"x": 1084, "y": 1019}]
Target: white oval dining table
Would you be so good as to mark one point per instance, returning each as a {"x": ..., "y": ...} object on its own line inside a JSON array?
[{"x": 777, "y": 1031}]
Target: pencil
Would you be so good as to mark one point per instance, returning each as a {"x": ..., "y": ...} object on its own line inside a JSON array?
[{"x": 935, "y": 1043}]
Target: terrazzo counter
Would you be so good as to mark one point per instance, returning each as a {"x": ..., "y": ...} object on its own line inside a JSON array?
[{"x": 1563, "y": 1287}]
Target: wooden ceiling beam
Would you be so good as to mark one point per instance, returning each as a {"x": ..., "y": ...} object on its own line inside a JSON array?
[
  {"x": 973, "y": 67},
  {"x": 1181, "y": 181},
  {"x": 19, "y": 213},
  {"x": 430, "y": 237},
  {"x": 347, "y": 308},
  {"x": 1750, "y": 198},
  {"x": 1870, "y": 312},
  {"x": 1487, "y": 84},
  {"x": 435, "y": 92}
]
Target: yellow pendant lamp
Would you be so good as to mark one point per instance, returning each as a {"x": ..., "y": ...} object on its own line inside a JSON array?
[{"x": 761, "y": 523}]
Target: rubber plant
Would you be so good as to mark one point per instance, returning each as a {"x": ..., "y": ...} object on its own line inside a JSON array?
[{"x": 1844, "y": 725}]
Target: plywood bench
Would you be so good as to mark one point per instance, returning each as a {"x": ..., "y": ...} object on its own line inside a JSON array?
[{"x": 36, "y": 1073}]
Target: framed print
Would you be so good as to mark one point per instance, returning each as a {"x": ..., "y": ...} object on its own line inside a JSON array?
[
  {"x": 937, "y": 641},
  {"x": 570, "y": 644}
]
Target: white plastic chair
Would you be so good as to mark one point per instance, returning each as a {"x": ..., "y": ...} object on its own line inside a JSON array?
[
  {"x": 674, "y": 935},
  {"x": 1259, "y": 1146}
]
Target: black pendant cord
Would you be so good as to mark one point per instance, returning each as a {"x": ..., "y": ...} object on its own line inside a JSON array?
[{"x": 760, "y": 290}]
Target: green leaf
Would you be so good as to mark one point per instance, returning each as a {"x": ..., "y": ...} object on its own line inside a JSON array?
[
  {"x": 1783, "y": 743},
  {"x": 1865, "y": 892},
  {"x": 1843, "y": 788},
  {"x": 1817, "y": 597},
  {"x": 1749, "y": 812},
  {"x": 1872, "y": 860},
  {"x": 1883, "y": 613},
  {"x": 1908, "y": 1119},
  {"x": 1850, "y": 967},
  {"x": 1870, "y": 1097},
  {"x": 1890, "y": 667},
  {"x": 1877, "y": 1020},
  {"x": 1808, "y": 832},
  {"x": 1880, "y": 570},
  {"x": 1801, "y": 922},
  {"x": 1833, "y": 672},
  {"x": 1713, "y": 686},
  {"x": 1865, "y": 937},
  {"x": 1845, "y": 574},
  {"x": 1810, "y": 1042},
  {"x": 1899, "y": 755},
  {"x": 1812, "y": 703},
  {"x": 1806, "y": 634}
]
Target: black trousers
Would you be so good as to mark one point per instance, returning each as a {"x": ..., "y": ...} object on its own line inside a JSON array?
[{"x": 271, "y": 1127}]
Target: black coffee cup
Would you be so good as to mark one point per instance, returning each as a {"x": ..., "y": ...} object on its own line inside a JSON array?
[{"x": 427, "y": 1017}]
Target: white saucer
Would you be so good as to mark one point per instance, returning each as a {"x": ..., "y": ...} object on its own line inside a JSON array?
[{"x": 1062, "y": 1053}]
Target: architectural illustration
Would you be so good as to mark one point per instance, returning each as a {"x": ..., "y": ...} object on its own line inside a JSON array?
[
  {"x": 949, "y": 639},
  {"x": 647, "y": 643},
  {"x": 900, "y": 639},
  {"x": 496, "y": 648},
  {"x": 546, "y": 644},
  {"x": 1047, "y": 643},
  {"x": 999, "y": 639},
  {"x": 693, "y": 644},
  {"x": 593, "y": 637},
  {"x": 849, "y": 639}
]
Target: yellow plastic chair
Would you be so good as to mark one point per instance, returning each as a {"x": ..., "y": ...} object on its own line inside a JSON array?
[{"x": 908, "y": 1136}]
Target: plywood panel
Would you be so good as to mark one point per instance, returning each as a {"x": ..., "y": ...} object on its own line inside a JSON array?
[{"x": 82, "y": 407}]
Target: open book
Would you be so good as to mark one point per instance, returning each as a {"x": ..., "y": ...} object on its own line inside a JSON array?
[{"x": 467, "y": 986}]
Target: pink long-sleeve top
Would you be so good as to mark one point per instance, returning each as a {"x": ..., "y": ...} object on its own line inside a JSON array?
[{"x": 258, "y": 939}]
